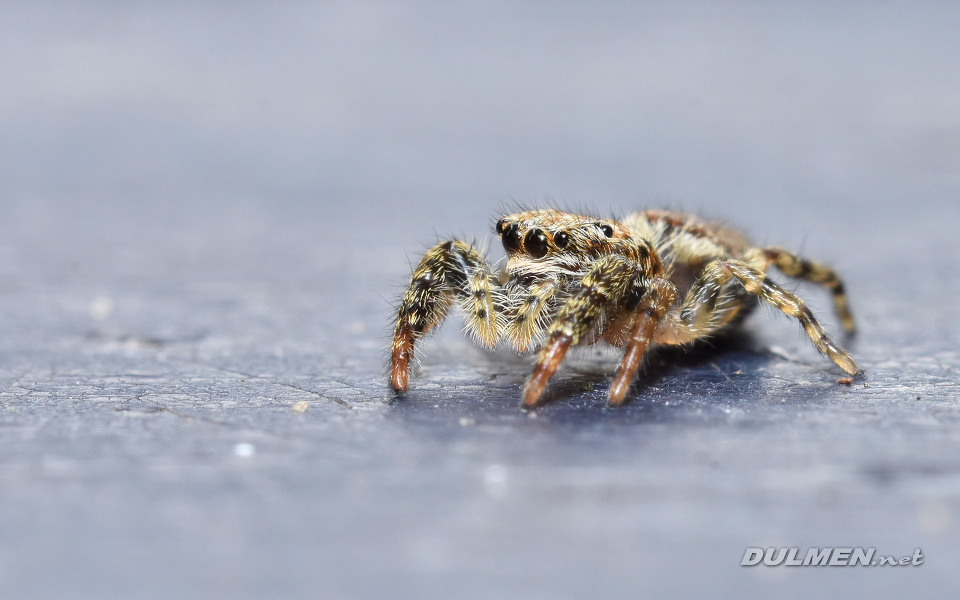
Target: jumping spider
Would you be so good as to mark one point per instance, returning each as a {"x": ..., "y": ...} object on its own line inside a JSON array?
[{"x": 656, "y": 277}]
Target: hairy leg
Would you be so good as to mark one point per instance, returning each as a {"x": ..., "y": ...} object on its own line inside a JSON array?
[
  {"x": 525, "y": 313},
  {"x": 709, "y": 305},
  {"x": 653, "y": 306},
  {"x": 792, "y": 265},
  {"x": 448, "y": 271},
  {"x": 708, "y": 292},
  {"x": 611, "y": 280}
]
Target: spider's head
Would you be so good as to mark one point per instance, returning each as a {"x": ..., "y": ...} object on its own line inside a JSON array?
[{"x": 551, "y": 233}]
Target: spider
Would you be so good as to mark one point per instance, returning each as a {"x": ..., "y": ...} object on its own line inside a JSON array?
[{"x": 656, "y": 277}]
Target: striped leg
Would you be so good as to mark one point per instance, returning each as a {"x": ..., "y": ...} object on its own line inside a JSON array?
[
  {"x": 612, "y": 279},
  {"x": 754, "y": 281},
  {"x": 450, "y": 270},
  {"x": 524, "y": 321},
  {"x": 711, "y": 303},
  {"x": 792, "y": 265}
]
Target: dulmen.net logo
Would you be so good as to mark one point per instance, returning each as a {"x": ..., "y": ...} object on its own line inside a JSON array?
[{"x": 826, "y": 557}]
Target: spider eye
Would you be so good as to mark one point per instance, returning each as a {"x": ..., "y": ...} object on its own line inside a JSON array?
[
  {"x": 500, "y": 225},
  {"x": 510, "y": 236},
  {"x": 535, "y": 243},
  {"x": 607, "y": 230},
  {"x": 561, "y": 239}
]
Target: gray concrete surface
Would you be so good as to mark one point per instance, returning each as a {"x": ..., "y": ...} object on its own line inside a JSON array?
[{"x": 208, "y": 212}]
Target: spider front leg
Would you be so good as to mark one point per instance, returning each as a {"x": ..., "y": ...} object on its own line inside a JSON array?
[
  {"x": 450, "y": 270},
  {"x": 654, "y": 305},
  {"x": 611, "y": 282}
]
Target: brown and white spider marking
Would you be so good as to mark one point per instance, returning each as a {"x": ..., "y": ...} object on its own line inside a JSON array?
[{"x": 656, "y": 277}]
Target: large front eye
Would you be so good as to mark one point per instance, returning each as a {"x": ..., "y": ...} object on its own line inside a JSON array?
[
  {"x": 510, "y": 236},
  {"x": 535, "y": 243}
]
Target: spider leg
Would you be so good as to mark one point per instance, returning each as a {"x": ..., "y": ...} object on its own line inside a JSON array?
[
  {"x": 792, "y": 265},
  {"x": 611, "y": 279},
  {"x": 448, "y": 271},
  {"x": 525, "y": 316},
  {"x": 705, "y": 297},
  {"x": 653, "y": 306}
]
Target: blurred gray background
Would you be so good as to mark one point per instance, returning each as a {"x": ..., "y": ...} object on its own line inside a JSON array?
[{"x": 207, "y": 212}]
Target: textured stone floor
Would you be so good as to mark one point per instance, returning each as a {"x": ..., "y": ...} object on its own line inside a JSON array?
[{"x": 195, "y": 306}]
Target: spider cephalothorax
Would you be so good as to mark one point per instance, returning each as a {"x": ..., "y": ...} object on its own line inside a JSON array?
[{"x": 655, "y": 277}]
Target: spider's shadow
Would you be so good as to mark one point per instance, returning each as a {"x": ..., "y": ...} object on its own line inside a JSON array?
[{"x": 660, "y": 363}]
